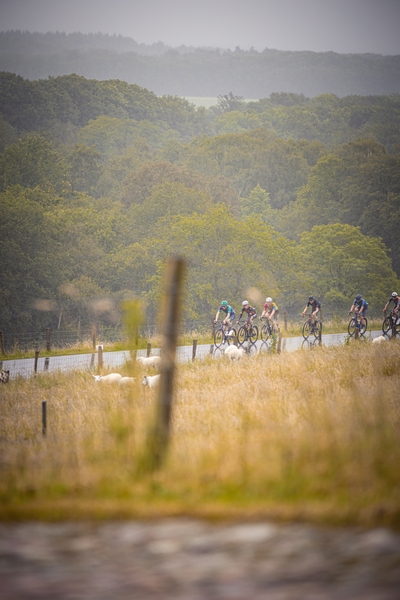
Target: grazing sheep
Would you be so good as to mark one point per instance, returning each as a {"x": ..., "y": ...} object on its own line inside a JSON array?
[
  {"x": 235, "y": 353},
  {"x": 379, "y": 340},
  {"x": 126, "y": 382},
  {"x": 150, "y": 361},
  {"x": 111, "y": 378},
  {"x": 4, "y": 376},
  {"x": 151, "y": 381}
]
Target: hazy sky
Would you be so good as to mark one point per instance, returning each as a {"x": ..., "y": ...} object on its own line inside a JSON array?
[{"x": 342, "y": 26}]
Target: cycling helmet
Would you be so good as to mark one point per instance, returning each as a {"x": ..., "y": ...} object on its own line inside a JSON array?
[
  {"x": 268, "y": 299},
  {"x": 244, "y": 302},
  {"x": 358, "y": 297},
  {"x": 394, "y": 294},
  {"x": 311, "y": 298},
  {"x": 224, "y": 303}
]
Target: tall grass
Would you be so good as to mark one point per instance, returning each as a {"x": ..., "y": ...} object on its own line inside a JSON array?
[{"x": 310, "y": 434}]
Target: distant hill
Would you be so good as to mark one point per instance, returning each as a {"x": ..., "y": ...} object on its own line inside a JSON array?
[{"x": 188, "y": 71}]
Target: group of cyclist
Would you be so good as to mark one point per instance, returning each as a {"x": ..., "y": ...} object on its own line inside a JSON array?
[{"x": 271, "y": 311}]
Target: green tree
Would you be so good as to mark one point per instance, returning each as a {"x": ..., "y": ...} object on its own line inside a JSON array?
[
  {"x": 342, "y": 262},
  {"x": 84, "y": 168},
  {"x": 32, "y": 161}
]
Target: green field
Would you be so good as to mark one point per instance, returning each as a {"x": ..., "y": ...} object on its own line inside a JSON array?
[{"x": 309, "y": 435}]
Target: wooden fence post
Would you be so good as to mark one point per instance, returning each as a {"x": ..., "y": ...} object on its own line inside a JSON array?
[
  {"x": 2, "y": 343},
  {"x": 48, "y": 339},
  {"x": 100, "y": 356},
  {"x": 194, "y": 350},
  {"x": 173, "y": 294},
  {"x": 94, "y": 336},
  {"x": 148, "y": 349},
  {"x": 394, "y": 328},
  {"x": 44, "y": 418},
  {"x": 36, "y": 361},
  {"x": 356, "y": 331},
  {"x": 285, "y": 320},
  {"x": 279, "y": 343}
]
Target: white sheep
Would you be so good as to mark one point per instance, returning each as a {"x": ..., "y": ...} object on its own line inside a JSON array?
[
  {"x": 111, "y": 378},
  {"x": 151, "y": 381},
  {"x": 379, "y": 340},
  {"x": 150, "y": 361},
  {"x": 234, "y": 353},
  {"x": 126, "y": 382}
]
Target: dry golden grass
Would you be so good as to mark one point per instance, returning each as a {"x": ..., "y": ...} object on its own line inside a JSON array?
[{"x": 309, "y": 435}]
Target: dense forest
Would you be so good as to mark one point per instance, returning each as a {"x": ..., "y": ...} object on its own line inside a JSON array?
[
  {"x": 101, "y": 180},
  {"x": 187, "y": 71}
]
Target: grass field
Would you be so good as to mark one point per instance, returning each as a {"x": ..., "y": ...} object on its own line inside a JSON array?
[{"x": 310, "y": 435}]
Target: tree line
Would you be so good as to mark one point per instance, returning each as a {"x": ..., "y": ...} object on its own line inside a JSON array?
[
  {"x": 188, "y": 71},
  {"x": 92, "y": 207}
]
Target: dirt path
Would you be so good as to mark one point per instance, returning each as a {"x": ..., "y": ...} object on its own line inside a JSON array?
[{"x": 194, "y": 560}]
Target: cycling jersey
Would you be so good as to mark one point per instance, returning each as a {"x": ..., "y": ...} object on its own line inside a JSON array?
[
  {"x": 396, "y": 302},
  {"x": 362, "y": 304},
  {"x": 273, "y": 307},
  {"x": 228, "y": 310},
  {"x": 249, "y": 310},
  {"x": 314, "y": 304}
]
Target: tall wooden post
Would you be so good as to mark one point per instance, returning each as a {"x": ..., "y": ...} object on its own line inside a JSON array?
[
  {"x": 94, "y": 336},
  {"x": 279, "y": 348},
  {"x": 285, "y": 320},
  {"x": 48, "y": 339},
  {"x": 2, "y": 343},
  {"x": 44, "y": 418},
  {"x": 148, "y": 349},
  {"x": 194, "y": 350},
  {"x": 172, "y": 304},
  {"x": 100, "y": 356},
  {"x": 36, "y": 360}
]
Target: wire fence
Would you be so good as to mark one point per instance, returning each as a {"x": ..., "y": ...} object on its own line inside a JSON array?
[
  {"x": 114, "y": 361},
  {"x": 11, "y": 343}
]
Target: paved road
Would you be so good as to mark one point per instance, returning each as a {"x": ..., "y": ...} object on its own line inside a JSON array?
[
  {"x": 193, "y": 560},
  {"x": 114, "y": 360}
]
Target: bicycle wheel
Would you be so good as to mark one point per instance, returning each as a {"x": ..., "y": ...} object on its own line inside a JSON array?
[
  {"x": 230, "y": 338},
  {"x": 317, "y": 329},
  {"x": 253, "y": 335},
  {"x": 242, "y": 335},
  {"x": 350, "y": 328},
  {"x": 387, "y": 325},
  {"x": 265, "y": 333},
  {"x": 306, "y": 330},
  {"x": 363, "y": 327},
  {"x": 219, "y": 338}
]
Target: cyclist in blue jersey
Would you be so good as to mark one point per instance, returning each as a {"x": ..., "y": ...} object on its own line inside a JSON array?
[
  {"x": 359, "y": 306},
  {"x": 395, "y": 298},
  {"x": 229, "y": 312}
]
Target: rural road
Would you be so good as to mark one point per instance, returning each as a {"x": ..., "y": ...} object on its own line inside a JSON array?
[{"x": 184, "y": 559}]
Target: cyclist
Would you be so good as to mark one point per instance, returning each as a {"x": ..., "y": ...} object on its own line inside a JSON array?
[
  {"x": 359, "y": 306},
  {"x": 251, "y": 313},
  {"x": 395, "y": 298},
  {"x": 315, "y": 308},
  {"x": 229, "y": 312},
  {"x": 271, "y": 311}
]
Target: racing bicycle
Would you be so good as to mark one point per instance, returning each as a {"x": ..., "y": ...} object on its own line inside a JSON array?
[
  {"x": 388, "y": 323},
  {"x": 224, "y": 336},
  {"x": 355, "y": 322},
  {"x": 247, "y": 333},
  {"x": 311, "y": 327},
  {"x": 267, "y": 330}
]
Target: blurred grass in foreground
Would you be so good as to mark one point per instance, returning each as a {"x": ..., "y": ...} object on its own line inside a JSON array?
[{"x": 310, "y": 435}]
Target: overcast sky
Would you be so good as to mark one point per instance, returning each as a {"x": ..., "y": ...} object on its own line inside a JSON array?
[{"x": 343, "y": 26}]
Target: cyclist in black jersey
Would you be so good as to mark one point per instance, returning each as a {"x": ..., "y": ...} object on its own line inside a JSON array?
[
  {"x": 395, "y": 298},
  {"x": 251, "y": 312},
  {"x": 315, "y": 308}
]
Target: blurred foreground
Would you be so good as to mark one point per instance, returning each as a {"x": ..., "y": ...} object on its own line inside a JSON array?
[{"x": 192, "y": 560}]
